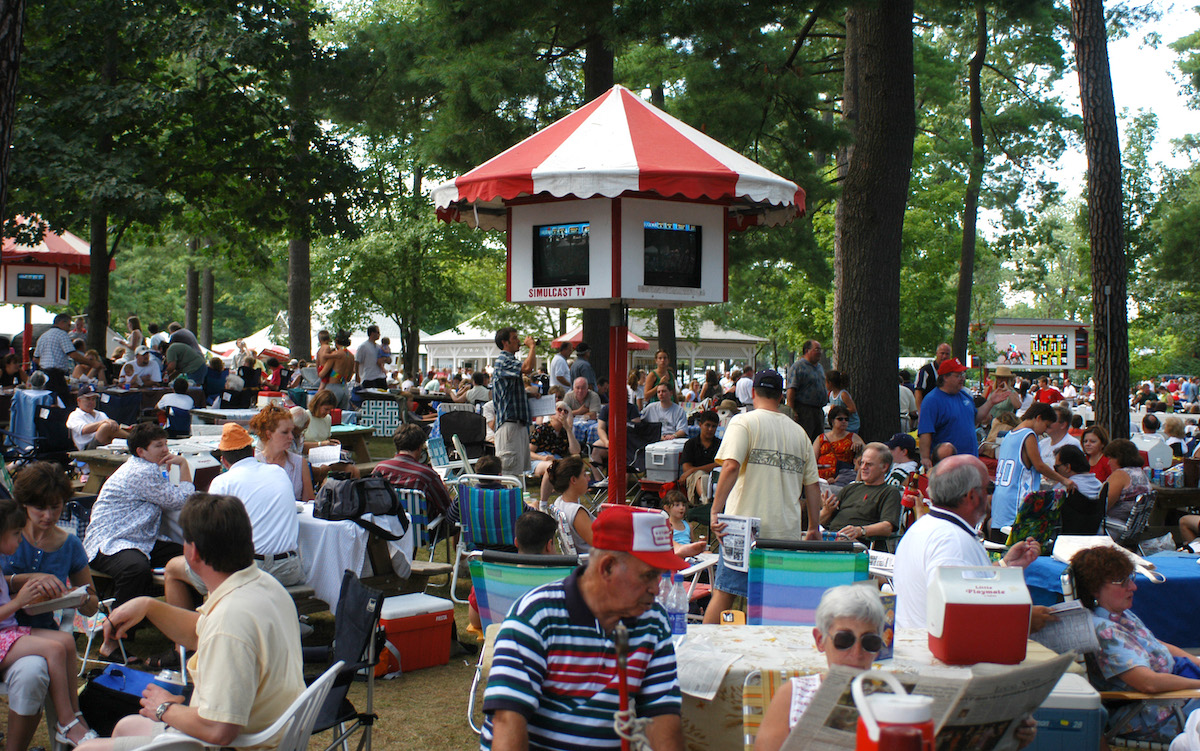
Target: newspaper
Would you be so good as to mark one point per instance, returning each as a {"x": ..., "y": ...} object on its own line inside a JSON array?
[
  {"x": 1072, "y": 630},
  {"x": 737, "y": 540},
  {"x": 72, "y": 599},
  {"x": 978, "y": 711},
  {"x": 541, "y": 406},
  {"x": 323, "y": 456}
]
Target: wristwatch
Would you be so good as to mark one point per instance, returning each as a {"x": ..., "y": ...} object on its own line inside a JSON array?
[{"x": 162, "y": 710}]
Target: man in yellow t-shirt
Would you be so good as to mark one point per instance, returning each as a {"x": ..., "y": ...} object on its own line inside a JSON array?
[
  {"x": 246, "y": 663},
  {"x": 766, "y": 463}
]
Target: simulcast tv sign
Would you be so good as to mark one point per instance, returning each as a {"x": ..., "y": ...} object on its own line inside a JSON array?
[{"x": 588, "y": 253}]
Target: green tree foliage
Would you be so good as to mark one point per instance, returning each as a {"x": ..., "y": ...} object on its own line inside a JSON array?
[{"x": 133, "y": 112}]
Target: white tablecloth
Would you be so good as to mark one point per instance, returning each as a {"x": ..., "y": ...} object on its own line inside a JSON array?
[{"x": 329, "y": 548}]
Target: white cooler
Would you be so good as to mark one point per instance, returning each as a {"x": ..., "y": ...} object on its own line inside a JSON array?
[
  {"x": 662, "y": 460},
  {"x": 1070, "y": 718}
]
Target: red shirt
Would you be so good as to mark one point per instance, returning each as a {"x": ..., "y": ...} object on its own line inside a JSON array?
[
  {"x": 1102, "y": 469},
  {"x": 1049, "y": 395}
]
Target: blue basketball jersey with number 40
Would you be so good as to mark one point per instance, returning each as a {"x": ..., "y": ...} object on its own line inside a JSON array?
[{"x": 1014, "y": 480}]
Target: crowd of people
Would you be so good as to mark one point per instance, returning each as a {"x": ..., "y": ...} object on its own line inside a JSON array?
[{"x": 789, "y": 453}]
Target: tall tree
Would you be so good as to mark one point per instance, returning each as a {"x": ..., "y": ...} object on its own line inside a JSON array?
[
  {"x": 12, "y": 24},
  {"x": 966, "y": 264},
  {"x": 878, "y": 104},
  {"x": 1106, "y": 231}
]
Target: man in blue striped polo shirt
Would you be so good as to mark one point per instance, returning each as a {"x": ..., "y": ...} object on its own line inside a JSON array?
[{"x": 554, "y": 683}]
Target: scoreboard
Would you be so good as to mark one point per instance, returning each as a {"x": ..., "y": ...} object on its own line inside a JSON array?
[{"x": 1049, "y": 350}]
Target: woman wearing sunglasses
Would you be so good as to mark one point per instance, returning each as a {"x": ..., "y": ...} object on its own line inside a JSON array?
[
  {"x": 849, "y": 630},
  {"x": 850, "y": 624},
  {"x": 551, "y": 441},
  {"x": 1130, "y": 657}
]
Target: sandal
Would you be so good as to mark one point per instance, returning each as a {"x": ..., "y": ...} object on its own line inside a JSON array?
[
  {"x": 60, "y": 733},
  {"x": 168, "y": 660}
]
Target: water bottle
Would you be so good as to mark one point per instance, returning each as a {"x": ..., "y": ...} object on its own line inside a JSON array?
[{"x": 677, "y": 609}]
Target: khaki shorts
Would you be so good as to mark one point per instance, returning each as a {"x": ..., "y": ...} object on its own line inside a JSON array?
[
  {"x": 512, "y": 448},
  {"x": 287, "y": 571}
]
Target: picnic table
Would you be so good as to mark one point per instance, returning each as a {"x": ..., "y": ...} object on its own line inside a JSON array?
[{"x": 103, "y": 461}]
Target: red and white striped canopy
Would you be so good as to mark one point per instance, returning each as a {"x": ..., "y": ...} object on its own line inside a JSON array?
[
  {"x": 64, "y": 250},
  {"x": 618, "y": 145}
]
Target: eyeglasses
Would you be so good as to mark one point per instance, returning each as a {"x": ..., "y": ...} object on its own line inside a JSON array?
[
  {"x": 1125, "y": 582},
  {"x": 841, "y": 419},
  {"x": 844, "y": 640},
  {"x": 562, "y": 411}
]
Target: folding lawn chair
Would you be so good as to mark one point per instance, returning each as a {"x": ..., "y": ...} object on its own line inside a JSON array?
[
  {"x": 488, "y": 517},
  {"x": 787, "y": 578},
  {"x": 354, "y": 630},
  {"x": 500, "y": 580}
]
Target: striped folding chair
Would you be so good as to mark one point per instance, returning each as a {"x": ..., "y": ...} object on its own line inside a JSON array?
[
  {"x": 488, "y": 517},
  {"x": 500, "y": 580},
  {"x": 787, "y": 578},
  {"x": 758, "y": 690}
]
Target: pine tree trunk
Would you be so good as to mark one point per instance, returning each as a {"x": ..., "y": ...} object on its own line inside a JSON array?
[
  {"x": 191, "y": 308},
  {"x": 12, "y": 26},
  {"x": 206, "y": 308},
  {"x": 966, "y": 264},
  {"x": 597, "y": 79},
  {"x": 879, "y": 102},
  {"x": 302, "y": 127},
  {"x": 1106, "y": 233}
]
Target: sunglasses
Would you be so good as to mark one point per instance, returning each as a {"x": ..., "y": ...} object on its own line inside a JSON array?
[
  {"x": 841, "y": 419},
  {"x": 844, "y": 640}
]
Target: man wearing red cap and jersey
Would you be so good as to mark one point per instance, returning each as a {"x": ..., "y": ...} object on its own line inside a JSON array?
[
  {"x": 553, "y": 682},
  {"x": 949, "y": 415}
]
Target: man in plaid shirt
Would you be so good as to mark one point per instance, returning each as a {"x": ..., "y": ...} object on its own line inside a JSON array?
[{"x": 511, "y": 401}]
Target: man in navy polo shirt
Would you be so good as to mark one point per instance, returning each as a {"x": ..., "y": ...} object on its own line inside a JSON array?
[{"x": 554, "y": 683}]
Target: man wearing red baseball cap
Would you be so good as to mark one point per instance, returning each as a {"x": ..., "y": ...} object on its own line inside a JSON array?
[
  {"x": 949, "y": 415},
  {"x": 553, "y": 682}
]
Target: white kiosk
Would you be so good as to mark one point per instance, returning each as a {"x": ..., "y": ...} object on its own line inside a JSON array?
[{"x": 618, "y": 205}]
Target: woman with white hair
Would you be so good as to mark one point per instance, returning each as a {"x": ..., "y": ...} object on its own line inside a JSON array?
[{"x": 849, "y": 630}]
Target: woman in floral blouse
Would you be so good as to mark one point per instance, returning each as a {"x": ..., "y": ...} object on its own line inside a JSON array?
[{"x": 1130, "y": 657}]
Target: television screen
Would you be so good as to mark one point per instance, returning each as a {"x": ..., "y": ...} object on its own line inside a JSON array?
[
  {"x": 560, "y": 255},
  {"x": 31, "y": 285},
  {"x": 672, "y": 255}
]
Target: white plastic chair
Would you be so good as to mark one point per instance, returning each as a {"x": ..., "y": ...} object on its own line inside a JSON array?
[{"x": 294, "y": 727}]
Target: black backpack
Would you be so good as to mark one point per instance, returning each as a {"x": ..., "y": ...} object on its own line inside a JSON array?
[{"x": 348, "y": 499}]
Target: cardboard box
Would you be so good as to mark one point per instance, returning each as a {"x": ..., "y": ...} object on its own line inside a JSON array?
[
  {"x": 978, "y": 614},
  {"x": 1070, "y": 718},
  {"x": 662, "y": 460},
  {"x": 418, "y": 633}
]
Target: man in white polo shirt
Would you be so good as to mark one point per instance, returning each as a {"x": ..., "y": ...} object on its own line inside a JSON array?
[
  {"x": 266, "y": 492},
  {"x": 945, "y": 536},
  {"x": 88, "y": 427}
]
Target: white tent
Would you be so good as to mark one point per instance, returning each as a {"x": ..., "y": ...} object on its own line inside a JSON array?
[
  {"x": 12, "y": 318},
  {"x": 475, "y": 346}
]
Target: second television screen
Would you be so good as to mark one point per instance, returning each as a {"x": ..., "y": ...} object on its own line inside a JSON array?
[
  {"x": 672, "y": 255},
  {"x": 560, "y": 255}
]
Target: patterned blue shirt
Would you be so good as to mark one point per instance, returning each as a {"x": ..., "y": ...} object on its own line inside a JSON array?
[
  {"x": 809, "y": 381},
  {"x": 1126, "y": 643},
  {"x": 508, "y": 391},
  {"x": 53, "y": 350}
]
